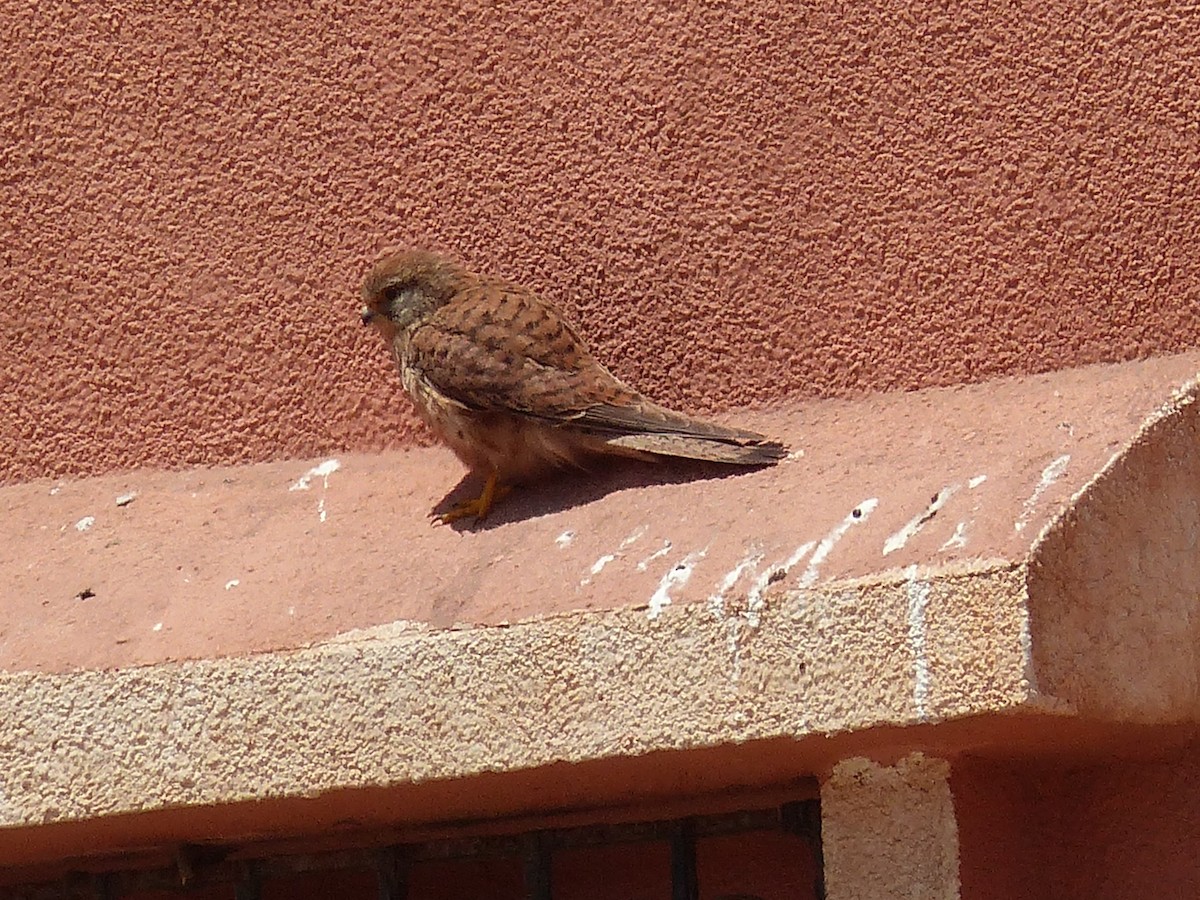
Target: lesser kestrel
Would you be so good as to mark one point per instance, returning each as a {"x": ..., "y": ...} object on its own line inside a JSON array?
[{"x": 503, "y": 379}]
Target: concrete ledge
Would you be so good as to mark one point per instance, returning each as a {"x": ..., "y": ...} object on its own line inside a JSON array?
[
  {"x": 226, "y": 562},
  {"x": 1114, "y": 580},
  {"x": 891, "y": 576},
  {"x": 415, "y": 705}
]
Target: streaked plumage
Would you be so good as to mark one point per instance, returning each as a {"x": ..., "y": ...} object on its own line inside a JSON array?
[{"x": 510, "y": 386}]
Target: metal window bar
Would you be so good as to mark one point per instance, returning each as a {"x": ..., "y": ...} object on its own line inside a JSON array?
[
  {"x": 537, "y": 867},
  {"x": 685, "y": 884},
  {"x": 804, "y": 820},
  {"x": 249, "y": 885},
  {"x": 197, "y": 865},
  {"x": 391, "y": 867}
]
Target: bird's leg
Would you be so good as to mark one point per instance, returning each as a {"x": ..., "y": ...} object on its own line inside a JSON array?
[{"x": 481, "y": 505}]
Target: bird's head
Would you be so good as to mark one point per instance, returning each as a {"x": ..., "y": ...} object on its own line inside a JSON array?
[{"x": 405, "y": 287}]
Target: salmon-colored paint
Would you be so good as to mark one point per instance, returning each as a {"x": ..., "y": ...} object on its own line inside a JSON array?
[
  {"x": 237, "y": 561},
  {"x": 739, "y": 203},
  {"x": 1085, "y": 828}
]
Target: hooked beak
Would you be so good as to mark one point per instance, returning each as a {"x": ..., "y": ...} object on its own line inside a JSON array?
[{"x": 367, "y": 315}]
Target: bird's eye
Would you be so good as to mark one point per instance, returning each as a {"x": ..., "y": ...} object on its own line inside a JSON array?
[{"x": 393, "y": 291}]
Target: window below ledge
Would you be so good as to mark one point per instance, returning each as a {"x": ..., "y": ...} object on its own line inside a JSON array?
[{"x": 756, "y": 853}]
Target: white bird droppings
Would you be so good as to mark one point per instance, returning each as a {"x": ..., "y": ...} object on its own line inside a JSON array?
[
  {"x": 918, "y": 601},
  {"x": 666, "y": 548},
  {"x": 860, "y": 513},
  {"x": 598, "y": 565},
  {"x": 716, "y": 601},
  {"x": 958, "y": 539},
  {"x": 85, "y": 523},
  {"x": 324, "y": 470},
  {"x": 619, "y": 553},
  {"x": 919, "y": 521},
  {"x": 633, "y": 536},
  {"x": 564, "y": 539},
  {"x": 754, "y": 598},
  {"x": 1050, "y": 474},
  {"x": 677, "y": 576},
  {"x": 232, "y": 583}
]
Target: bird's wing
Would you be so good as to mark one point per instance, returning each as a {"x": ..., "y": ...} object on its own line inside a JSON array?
[{"x": 499, "y": 348}]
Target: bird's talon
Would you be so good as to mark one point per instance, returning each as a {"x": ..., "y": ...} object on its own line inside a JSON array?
[
  {"x": 469, "y": 509},
  {"x": 479, "y": 507}
]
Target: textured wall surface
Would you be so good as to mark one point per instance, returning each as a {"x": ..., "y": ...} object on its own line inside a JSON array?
[
  {"x": 1115, "y": 608},
  {"x": 739, "y": 203},
  {"x": 889, "y": 831}
]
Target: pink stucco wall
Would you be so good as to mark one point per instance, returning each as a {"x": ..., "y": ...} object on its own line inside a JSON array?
[
  {"x": 740, "y": 203},
  {"x": 1086, "y": 827}
]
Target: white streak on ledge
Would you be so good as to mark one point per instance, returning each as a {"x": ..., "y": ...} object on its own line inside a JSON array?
[
  {"x": 860, "y": 513},
  {"x": 604, "y": 560},
  {"x": 919, "y": 521},
  {"x": 598, "y": 565},
  {"x": 677, "y": 576},
  {"x": 956, "y": 540},
  {"x": 1050, "y": 474},
  {"x": 1026, "y": 639},
  {"x": 918, "y": 600},
  {"x": 324, "y": 470},
  {"x": 756, "y": 596},
  {"x": 564, "y": 539},
  {"x": 976, "y": 481},
  {"x": 635, "y": 535},
  {"x": 716, "y": 601},
  {"x": 754, "y": 599},
  {"x": 666, "y": 548}
]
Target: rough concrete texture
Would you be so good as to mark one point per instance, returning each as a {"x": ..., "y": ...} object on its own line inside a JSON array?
[
  {"x": 1113, "y": 582},
  {"x": 223, "y": 562},
  {"x": 889, "y": 831},
  {"x": 411, "y": 706},
  {"x": 738, "y": 204}
]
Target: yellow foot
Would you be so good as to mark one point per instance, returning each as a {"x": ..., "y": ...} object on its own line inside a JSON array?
[{"x": 480, "y": 506}]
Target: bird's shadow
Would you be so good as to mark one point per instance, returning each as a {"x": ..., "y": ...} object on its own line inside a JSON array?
[{"x": 570, "y": 488}]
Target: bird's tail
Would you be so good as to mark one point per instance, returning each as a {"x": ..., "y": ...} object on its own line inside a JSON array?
[
  {"x": 756, "y": 451},
  {"x": 651, "y": 429}
]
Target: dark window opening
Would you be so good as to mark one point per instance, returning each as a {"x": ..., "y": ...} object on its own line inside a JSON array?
[{"x": 767, "y": 853}]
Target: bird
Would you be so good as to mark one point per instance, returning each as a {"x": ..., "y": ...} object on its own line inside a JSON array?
[{"x": 507, "y": 382}]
